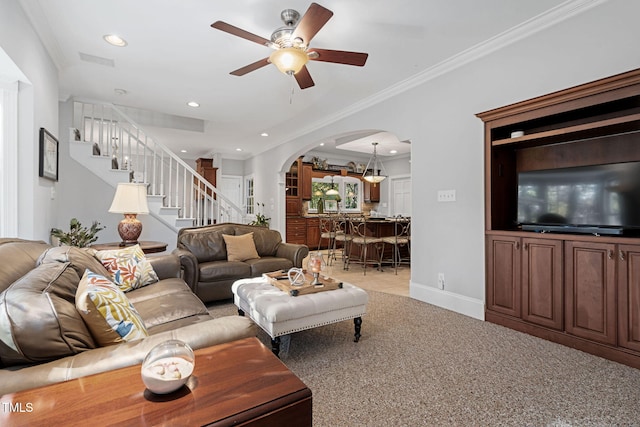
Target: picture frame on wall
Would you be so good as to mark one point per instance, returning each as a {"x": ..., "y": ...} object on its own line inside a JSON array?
[{"x": 48, "y": 155}]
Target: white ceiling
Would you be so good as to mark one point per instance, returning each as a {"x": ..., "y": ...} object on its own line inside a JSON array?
[{"x": 174, "y": 56}]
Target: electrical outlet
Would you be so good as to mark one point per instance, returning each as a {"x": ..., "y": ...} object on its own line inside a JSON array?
[
  {"x": 446, "y": 195},
  {"x": 440, "y": 280}
]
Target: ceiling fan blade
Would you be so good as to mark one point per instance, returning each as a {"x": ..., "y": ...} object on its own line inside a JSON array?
[
  {"x": 339, "y": 56},
  {"x": 304, "y": 78},
  {"x": 228, "y": 28},
  {"x": 251, "y": 67},
  {"x": 313, "y": 20}
]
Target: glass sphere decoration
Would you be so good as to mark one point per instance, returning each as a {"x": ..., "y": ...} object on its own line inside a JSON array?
[
  {"x": 316, "y": 265},
  {"x": 168, "y": 366}
]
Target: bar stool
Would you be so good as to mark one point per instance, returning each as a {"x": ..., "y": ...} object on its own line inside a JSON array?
[
  {"x": 343, "y": 235},
  {"x": 401, "y": 237},
  {"x": 360, "y": 238},
  {"x": 326, "y": 224}
]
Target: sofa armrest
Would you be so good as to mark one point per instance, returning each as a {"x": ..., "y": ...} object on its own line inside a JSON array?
[
  {"x": 296, "y": 253},
  {"x": 189, "y": 264},
  {"x": 165, "y": 266}
]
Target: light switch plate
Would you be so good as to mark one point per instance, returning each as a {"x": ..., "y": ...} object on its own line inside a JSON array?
[{"x": 446, "y": 195}]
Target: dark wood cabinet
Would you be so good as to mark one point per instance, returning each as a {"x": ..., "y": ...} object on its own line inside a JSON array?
[
  {"x": 590, "y": 287},
  {"x": 371, "y": 192},
  {"x": 293, "y": 206},
  {"x": 524, "y": 279},
  {"x": 542, "y": 267},
  {"x": 307, "y": 172},
  {"x": 313, "y": 233},
  {"x": 205, "y": 168},
  {"x": 580, "y": 290},
  {"x": 629, "y": 296},
  {"x": 296, "y": 231},
  {"x": 503, "y": 275}
]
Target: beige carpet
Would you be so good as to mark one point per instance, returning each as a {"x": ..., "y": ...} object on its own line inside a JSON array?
[{"x": 417, "y": 364}]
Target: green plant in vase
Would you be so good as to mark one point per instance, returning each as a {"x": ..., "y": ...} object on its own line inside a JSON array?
[
  {"x": 261, "y": 219},
  {"x": 77, "y": 235}
]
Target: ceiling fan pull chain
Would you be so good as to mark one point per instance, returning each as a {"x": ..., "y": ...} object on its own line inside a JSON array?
[{"x": 293, "y": 87}]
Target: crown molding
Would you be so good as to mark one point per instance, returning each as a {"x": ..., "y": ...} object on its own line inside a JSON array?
[{"x": 551, "y": 17}]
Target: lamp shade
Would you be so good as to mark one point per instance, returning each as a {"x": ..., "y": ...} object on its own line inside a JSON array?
[
  {"x": 374, "y": 172},
  {"x": 130, "y": 197},
  {"x": 289, "y": 60}
]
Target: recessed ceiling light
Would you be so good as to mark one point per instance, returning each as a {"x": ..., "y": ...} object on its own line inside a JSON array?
[
  {"x": 193, "y": 104},
  {"x": 120, "y": 92},
  {"x": 183, "y": 151},
  {"x": 238, "y": 149},
  {"x": 322, "y": 144},
  {"x": 264, "y": 134},
  {"x": 393, "y": 151},
  {"x": 115, "y": 40}
]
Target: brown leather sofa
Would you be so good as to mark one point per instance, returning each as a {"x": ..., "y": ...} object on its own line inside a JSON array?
[
  {"x": 43, "y": 339},
  {"x": 204, "y": 258}
]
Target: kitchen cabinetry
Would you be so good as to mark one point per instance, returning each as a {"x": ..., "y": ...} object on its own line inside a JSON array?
[
  {"x": 296, "y": 231},
  {"x": 371, "y": 192},
  {"x": 307, "y": 172},
  {"x": 579, "y": 290},
  {"x": 313, "y": 233}
]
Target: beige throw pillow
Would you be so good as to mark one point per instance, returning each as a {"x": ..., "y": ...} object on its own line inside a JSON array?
[{"x": 240, "y": 248}]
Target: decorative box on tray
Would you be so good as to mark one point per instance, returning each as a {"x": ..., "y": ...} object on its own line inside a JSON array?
[{"x": 280, "y": 279}]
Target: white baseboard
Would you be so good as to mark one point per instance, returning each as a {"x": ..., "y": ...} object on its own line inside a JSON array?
[{"x": 471, "y": 307}]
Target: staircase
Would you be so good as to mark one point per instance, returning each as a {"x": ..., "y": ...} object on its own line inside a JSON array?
[{"x": 115, "y": 148}]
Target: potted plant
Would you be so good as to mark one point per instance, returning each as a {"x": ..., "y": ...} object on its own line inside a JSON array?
[
  {"x": 77, "y": 235},
  {"x": 261, "y": 219}
]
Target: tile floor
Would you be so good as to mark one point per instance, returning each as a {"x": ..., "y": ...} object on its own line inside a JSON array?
[{"x": 382, "y": 281}]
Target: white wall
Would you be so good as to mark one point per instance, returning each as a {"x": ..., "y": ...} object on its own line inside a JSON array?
[
  {"x": 447, "y": 139},
  {"x": 38, "y": 107},
  {"x": 438, "y": 116}
]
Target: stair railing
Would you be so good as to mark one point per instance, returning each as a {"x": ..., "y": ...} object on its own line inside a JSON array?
[{"x": 115, "y": 135}]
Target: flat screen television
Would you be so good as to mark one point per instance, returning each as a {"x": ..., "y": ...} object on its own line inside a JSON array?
[{"x": 601, "y": 199}]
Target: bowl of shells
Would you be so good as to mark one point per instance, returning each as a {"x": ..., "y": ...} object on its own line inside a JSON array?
[{"x": 168, "y": 366}]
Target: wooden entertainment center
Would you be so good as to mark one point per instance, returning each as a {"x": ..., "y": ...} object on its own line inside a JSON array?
[{"x": 580, "y": 290}]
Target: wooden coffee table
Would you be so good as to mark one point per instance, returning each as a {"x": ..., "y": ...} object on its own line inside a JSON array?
[{"x": 238, "y": 383}]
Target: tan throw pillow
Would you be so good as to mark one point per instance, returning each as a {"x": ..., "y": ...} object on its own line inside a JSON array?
[
  {"x": 240, "y": 248},
  {"x": 107, "y": 311}
]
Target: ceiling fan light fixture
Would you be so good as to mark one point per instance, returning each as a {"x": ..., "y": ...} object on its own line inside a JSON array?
[
  {"x": 374, "y": 172},
  {"x": 289, "y": 60}
]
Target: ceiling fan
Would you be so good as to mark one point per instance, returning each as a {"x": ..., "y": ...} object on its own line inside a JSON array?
[{"x": 291, "y": 44}]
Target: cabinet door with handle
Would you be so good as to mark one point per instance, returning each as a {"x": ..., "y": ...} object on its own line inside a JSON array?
[
  {"x": 629, "y": 296},
  {"x": 503, "y": 275},
  {"x": 590, "y": 290},
  {"x": 542, "y": 299}
]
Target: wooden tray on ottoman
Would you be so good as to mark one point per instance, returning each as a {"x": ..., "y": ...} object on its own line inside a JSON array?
[{"x": 280, "y": 280}]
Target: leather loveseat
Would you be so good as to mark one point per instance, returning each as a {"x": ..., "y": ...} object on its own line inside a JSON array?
[
  {"x": 44, "y": 340},
  {"x": 209, "y": 269}
]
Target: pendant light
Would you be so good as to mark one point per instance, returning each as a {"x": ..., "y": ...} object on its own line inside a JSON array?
[
  {"x": 332, "y": 191},
  {"x": 374, "y": 172}
]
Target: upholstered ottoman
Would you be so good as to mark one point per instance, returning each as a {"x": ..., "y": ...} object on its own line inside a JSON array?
[{"x": 279, "y": 313}]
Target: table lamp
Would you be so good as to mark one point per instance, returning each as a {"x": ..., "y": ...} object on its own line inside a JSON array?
[{"x": 130, "y": 199}]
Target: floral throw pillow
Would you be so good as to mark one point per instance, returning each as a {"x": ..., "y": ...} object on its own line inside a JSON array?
[
  {"x": 128, "y": 267},
  {"x": 107, "y": 311}
]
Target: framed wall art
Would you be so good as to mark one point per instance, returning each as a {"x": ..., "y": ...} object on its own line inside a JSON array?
[{"x": 48, "y": 155}]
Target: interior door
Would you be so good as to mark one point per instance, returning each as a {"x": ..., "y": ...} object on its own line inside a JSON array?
[{"x": 400, "y": 197}]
